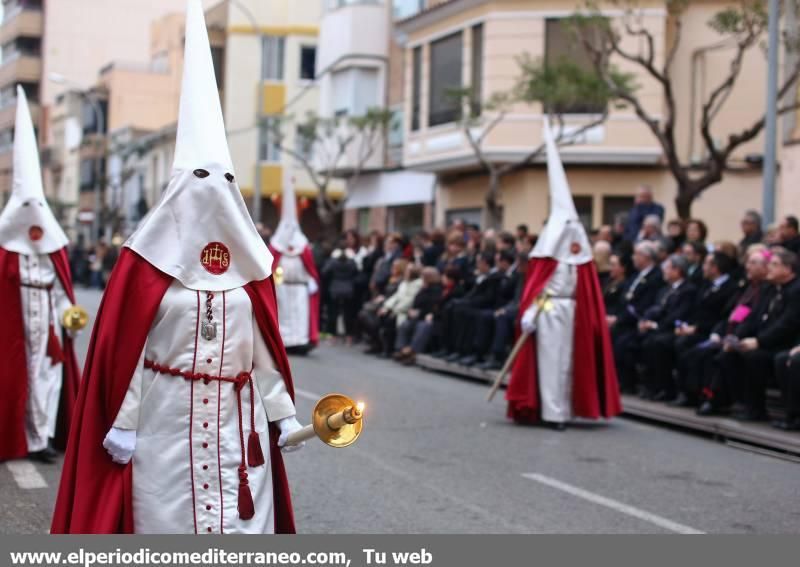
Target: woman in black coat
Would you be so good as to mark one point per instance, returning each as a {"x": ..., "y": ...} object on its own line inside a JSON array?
[{"x": 341, "y": 273}]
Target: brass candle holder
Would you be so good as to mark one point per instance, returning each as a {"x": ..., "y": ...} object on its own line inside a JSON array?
[{"x": 336, "y": 420}]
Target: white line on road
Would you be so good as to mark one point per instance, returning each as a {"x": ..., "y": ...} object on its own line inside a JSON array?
[
  {"x": 25, "y": 475},
  {"x": 613, "y": 504}
]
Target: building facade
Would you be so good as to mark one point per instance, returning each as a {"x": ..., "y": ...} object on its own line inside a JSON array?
[{"x": 475, "y": 43}]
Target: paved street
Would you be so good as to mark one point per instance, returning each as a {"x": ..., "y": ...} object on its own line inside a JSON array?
[{"x": 435, "y": 457}]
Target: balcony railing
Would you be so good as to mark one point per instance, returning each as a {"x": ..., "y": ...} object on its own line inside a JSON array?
[{"x": 15, "y": 9}]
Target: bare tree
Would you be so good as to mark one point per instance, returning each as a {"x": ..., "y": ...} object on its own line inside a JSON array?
[
  {"x": 330, "y": 148},
  {"x": 742, "y": 26},
  {"x": 556, "y": 87}
]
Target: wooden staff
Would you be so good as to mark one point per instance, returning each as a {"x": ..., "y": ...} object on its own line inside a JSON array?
[{"x": 543, "y": 301}]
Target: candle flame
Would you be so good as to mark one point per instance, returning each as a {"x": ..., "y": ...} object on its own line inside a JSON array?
[{"x": 360, "y": 407}]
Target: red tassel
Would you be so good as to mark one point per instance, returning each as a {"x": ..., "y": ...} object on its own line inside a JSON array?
[
  {"x": 54, "y": 350},
  {"x": 255, "y": 456},
  {"x": 246, "y": 508}
]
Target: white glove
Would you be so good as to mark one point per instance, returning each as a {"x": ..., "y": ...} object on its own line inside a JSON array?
[
  {"x": 289, "y": 425},
  {"x": 312, "y": 286},
  {"x": 528, "y": 321},
  {"x": 120, "y": 444}
]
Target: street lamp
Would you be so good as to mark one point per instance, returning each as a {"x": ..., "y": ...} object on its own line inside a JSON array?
[
  {"x": 256, "y": 206},
  {"x": 59, "y": 79}
]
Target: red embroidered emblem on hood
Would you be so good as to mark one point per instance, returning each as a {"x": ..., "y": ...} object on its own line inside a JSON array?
[
  {"x": 575, "y": 248},
  {"x": 215, "y": 258}
]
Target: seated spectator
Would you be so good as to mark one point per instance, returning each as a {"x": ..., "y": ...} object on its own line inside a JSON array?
[
  {"x": 368, "y": 316},
  {"x": 393, "y": 249},
  {"x": 789, "y": 235},
  {"x": 478, "y": 322},
  {"x": 481, "y": 295},
  {"x": 696, "y": 231},
  {"x": 787, "y": 371},
  {"x": 394, "y": 311},
  {"x": 424, "y": 303},
  {"x": 503, "y": 320},
  {"x": 676, "y": 236},
  {"x": 522, "y": 231},
  {"x": 695, "y": 253},
  {"x": 651, "y": 229},
  {"x": 711, "y": 308},
  {"x": 751, "y": 232},
  {"x": 601, "y": 250},
  {"x": 698, "y": 373},
  {"x": 748, "y": 356},
  {"x": 657, "y": 330},
  {"x": 640, "y": 297},
  {"x": 433, "y": 248},
  {"x": 455, "y": 255},
  {"x": 619, "y": 278},
  {"x": 606, "y": 233}
]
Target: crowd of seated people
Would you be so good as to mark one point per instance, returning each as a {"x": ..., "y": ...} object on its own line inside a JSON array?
[{"x": 694, "y": 323}]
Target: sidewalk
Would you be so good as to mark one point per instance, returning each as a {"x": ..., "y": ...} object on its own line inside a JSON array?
[{"x": 720, "y": 427}]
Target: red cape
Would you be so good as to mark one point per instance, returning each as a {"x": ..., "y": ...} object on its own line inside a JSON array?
[
  {"x": 595, "y": 392},
  {"x": 95, "y": 495},
  {"x": 313, "y": 300},
  {"x": 14, "y": 377}
]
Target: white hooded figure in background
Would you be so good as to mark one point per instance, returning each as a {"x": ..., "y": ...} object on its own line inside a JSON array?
[
  {"x": 206, "y": 386},
  {"x": 569, "y": 370},
  {"x": 296, "y": 275},
  {"x": 33, "y": 247}
]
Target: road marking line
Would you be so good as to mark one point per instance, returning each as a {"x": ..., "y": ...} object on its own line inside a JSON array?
[
  {"x": 613, "y": 504},
  {"x": 306, "y": 395},
  {"x": 25, "y": 475}
]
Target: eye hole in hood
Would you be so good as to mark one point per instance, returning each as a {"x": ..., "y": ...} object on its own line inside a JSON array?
[
  {"x": 229, "y": 177},
  {"x": 200, "y": 173}
]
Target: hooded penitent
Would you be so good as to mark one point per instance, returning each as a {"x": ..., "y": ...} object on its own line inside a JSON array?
[
  {"x": 186, "y": 356},
  {"x": 27, "y": 225},
  {"x": 40, "y": 374},
  {"x": 298, "y": 289},
  {"x": 567, "y": 369}
]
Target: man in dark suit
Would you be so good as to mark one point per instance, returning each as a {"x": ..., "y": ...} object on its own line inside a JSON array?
[
  {"x": 711, "y": 307},
  {"x": 774, "y": 326},
  {"x": 657, "y": 330},
  {"x": 457, "y": 319},
  {"x": 789, "y": 231},
  {"x": 641, "y": 295},
  {"x": 787, "y": 371},
  {"x": 643, "y": 207}
]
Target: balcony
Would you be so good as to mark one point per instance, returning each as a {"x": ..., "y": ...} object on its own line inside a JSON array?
[
  {"x": 20, "y": 68},
  {"x": 353, "y": 29},
  {"x": 21, "y": 22}
]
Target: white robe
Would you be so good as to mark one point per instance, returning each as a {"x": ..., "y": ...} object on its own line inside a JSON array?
[
  {"x": 40, "y": 308},
  {"x": 554, "y": 345},
  {"x": 188, "y": 450},
  {"x": 293, "y": 301}
]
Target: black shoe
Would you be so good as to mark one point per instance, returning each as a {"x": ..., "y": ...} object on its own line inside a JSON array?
[
  {"x": 556, "y": 425},
  {"x": 751, "y": 415},
  {"x": 663, "y": 396},
  {"x": 46, "y": 456},
  {"x": 440, "y": 354},
  {"x": 453, "y": 357},
  {"x": 647, "y": 394},
  {"x": 681, "y": 401},
  {"x": 706, "y": 409},
  {"x": 373, "y": 350},
  {"x": 468, "y": 360},
  {"x": 491, "y": 364},
  {"x": 791, "y": 424}
]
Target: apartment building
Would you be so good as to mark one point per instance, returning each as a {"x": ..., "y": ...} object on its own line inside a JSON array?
[
  {"x": 460, "y": 43},
  {"x": 70, "y": 38},
  {"x": 361, "y": 66}
]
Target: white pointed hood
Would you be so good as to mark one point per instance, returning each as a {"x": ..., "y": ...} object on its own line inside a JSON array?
[
  {"x": 200, "y": 232},
  {"x": 563, "y": 237},
  {"x": 27, "y": 225},
  {"x": 289, "y": 238}
]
